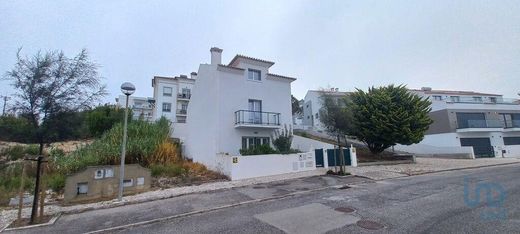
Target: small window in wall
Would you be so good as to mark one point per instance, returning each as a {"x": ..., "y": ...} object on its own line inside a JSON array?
[
  {"x": 166, "y": 107},
  {"x": 317, "y": 117},
  {"x": 167, "y": 91},
  {"x": 128, "y": 183},
  {"x": 455, "y": 98},
  {"x": 140, "y": 181},
  {"x": 511, "y": 140},
  {"x": 82, "y": 188},
  {"x": 437, "y": 98},
  {"x": 253, "y": 74}
]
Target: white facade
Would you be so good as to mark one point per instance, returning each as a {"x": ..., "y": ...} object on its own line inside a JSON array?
[
  {"x": 172, "y": 96},
  {"x": 312, "y": 103},
  {"x": 142, "y": 107},
  {"x": 235, "y": 106},
  {"x": 487, "y": 123}
]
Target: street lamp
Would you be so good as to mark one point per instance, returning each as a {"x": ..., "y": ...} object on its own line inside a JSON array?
[{"x": 128, "y": 89}]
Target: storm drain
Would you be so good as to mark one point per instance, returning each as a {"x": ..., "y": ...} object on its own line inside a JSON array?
[
  {"x": 370, "y": 225},
  {"x": 345, "y": 209}
]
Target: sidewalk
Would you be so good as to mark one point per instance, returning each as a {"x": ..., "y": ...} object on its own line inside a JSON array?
[
  {"x": 426, "y": 165},
  {"x": 7, "y": 216},
  {"x": 94, "y": 220}
]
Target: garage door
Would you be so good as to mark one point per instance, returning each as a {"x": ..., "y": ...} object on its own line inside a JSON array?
[{"x": 481, "y": 146}]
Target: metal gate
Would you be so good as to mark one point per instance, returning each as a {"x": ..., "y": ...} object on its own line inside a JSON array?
[
  {"x": 333, "y": 157},
  {"x": 481, "y": 146},
  {"x": 318, "y": 154}
]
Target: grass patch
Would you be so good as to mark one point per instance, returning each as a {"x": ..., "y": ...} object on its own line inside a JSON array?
[
  {"x": 16, "y": 152},
  {"x": 171, "y": 170}
]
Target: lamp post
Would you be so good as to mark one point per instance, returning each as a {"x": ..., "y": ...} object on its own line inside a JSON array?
[{"x": 128, "y": 89}]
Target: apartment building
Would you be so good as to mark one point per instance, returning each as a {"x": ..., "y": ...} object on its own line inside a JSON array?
[
  {"x": 172, "y": 96},
  {"x": 312, "y": 103},
  {"x": 142, "y": 107},
  {"x": 489, "y": 123},
  {"x": 235, "y": 106}
]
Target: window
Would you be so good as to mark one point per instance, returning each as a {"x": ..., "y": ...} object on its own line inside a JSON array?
[
  {"x": 493, "y": 99},
  {"x": 166, "y": 107},
  {"x": 253, "y": 74},
  {"x": 437, "y": 98},
  {"x": 128, "y": 183},
  {"x": 186, "y": 93},
  {"x": 250, "y": 142},
  {"x": 477, "y": 99},
  {"x": 455, "y": 98},
  {"x": 82, "y": 188},
  {"x": 317, "y": 117},
  {"x": 511, "y": 140},
  {"x": 140, "y": 181},
  {"x": 184, "y": 106},
  {"x": 167, "y": 91}
]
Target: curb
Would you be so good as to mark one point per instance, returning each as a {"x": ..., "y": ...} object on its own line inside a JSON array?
[
  {"x": 51, "y": 222},
  {"x": 121, "y": 227}
]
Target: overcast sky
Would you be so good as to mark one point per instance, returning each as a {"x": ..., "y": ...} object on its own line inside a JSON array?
[{"x": 456, "y": 45}]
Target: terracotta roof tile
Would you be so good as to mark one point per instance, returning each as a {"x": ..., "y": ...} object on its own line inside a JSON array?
[
  {"x": 239, "y": 56},
  {"x": 280, "y": 76}
]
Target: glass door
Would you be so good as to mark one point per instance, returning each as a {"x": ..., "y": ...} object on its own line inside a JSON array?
[{"x": 255, "y": 111}]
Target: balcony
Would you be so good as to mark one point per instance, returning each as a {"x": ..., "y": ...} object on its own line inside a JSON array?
[
  {"x": 184, "y": 96},
  {"x": 512, "y": 125},
  {"x": 483, "y": 100},
  {"x": 256, "y": 119},
  {"x": 480, "y": 126},
  {"x": 182, "y": 112}
]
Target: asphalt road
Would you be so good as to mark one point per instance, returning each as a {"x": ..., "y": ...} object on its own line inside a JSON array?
[{"x": 432, "y": 203}]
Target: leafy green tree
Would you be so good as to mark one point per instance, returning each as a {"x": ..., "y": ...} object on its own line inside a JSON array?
[
  {"x": 16, "y": 129},
  {"x": 336, "y": 117},
  {"x": 51, "y": 84},
  {"x": 296, "y": 108},
  {"x": 102, "y": 118},
  {"x": 389, "y": 115}
]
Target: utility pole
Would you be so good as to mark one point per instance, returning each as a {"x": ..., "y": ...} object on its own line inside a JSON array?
[
  {"x": 6, "y": 98},
  {"x": 34, "y": 211}
]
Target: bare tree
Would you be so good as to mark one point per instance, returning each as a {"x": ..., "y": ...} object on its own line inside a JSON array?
[{"x": 50, "y": 84}]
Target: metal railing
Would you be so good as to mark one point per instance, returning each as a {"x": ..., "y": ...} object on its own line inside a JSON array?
[
  {"x": 184, "y": 95},
  {"x": 483, "y": 100},
  {"x": 481, "y": 124},
  {"x": 182, "y": 111},
  {"x": 257, "y": 117},
  {"x": 513, "y": 124}
]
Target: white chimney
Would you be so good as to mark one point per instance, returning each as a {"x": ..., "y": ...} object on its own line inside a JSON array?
[{"x": 216, "y": 55}]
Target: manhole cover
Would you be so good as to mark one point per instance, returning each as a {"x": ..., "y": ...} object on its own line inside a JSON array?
[
  {"x": 344, "y": 187},
  {"x": 345, "y": 209},
  {"x": 371, "y": 225}
]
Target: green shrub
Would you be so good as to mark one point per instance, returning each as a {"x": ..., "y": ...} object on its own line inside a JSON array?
[
  {"x": 18, "y": 151},
  {"x": 170, "y": 170},
  {"x": 143, "y": 140},
  {"x": 261, "y": 149},
  {"x": 55, "y": 181},
  {"x": 103, "y": 118}
]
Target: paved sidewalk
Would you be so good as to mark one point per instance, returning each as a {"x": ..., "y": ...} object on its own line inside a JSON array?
[
  {"x": 7, "y": 216},
  {"x": 95, "y": 220},
  {"x": 426, "y": 165}
]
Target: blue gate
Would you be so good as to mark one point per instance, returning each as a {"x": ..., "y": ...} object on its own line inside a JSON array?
[
  {"x": 333, "y": 157},
  {"x": 318, "y": 154}
]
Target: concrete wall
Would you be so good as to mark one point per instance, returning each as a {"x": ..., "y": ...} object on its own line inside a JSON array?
[
  {"x": 306, "y": 144},
  {"x": 243, "y": 167},
  {"x": 105, "y": 187}
]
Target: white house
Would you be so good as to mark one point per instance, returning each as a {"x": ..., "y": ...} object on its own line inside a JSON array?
[
  {"x": 482, "y": 124},
  {"x": 142, "y": 107},
  {"x": 235, "y": 106},
  {"x": 172, "y": 96},
  {"x": 312, "y": 104}
]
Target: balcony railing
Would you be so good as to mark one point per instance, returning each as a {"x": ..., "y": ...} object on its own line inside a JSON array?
[
  {"x": 481, "y": 124},
  {"x": 184, "y": 95},
  {"x": 257, "y": 118},
  {"x": 483, "y": 100},
  {"x": 513, "y": 124},
  {"x": 182, "y": 111}
]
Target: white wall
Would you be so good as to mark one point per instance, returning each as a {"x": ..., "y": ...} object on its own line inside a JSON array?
[
  {"x": 264, "y": 165},
  {"x": 306, "y": 144},
  {"x": 160, "y": 98},
  {"x": 437, "y": 144},
  {"x": 511, "y": 151}
]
